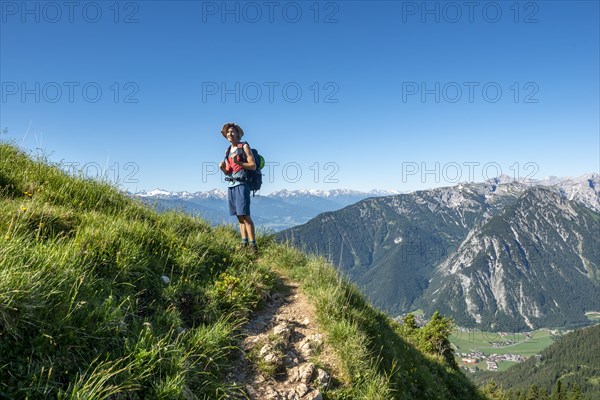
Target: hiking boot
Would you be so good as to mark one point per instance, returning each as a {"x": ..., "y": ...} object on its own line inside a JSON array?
[
  {"x": 252, "y": 249},
  {"x": 243, "y": 245}
]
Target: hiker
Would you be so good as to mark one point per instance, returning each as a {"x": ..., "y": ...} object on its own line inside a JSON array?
[{"x": 239, "y": 158}]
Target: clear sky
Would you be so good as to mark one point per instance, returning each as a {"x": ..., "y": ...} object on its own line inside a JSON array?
[{"x": 335, "y": 94}]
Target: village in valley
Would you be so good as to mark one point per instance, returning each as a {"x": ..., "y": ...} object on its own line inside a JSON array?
[
  {"x": 498, "y": 351},
  {"x": 477, "y": 350},
  {"x": 470, "y": 360}
]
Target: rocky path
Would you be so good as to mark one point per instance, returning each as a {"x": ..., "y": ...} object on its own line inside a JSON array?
[{"x": 284, "y": 354}]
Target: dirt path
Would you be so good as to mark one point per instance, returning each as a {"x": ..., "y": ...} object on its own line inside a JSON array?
[{"x": 284, "y": 354}]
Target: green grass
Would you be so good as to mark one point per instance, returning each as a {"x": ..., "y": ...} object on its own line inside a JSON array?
[
  {"x": 378, "y": 361},
  {"x": 504, "y": 365},
  {"x": 86, "y": 311}
]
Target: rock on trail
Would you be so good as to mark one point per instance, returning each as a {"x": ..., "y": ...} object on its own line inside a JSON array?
[{"x": 284, "y": 355}]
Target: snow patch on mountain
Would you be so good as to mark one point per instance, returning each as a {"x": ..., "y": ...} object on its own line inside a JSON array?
[
  {"x": 331, "y": 194},
  {"x": 165, "y": 194},
  {"x": 153, "y": 193}
]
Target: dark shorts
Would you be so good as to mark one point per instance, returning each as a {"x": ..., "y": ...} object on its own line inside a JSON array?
[{"x": 239, "y": 200}]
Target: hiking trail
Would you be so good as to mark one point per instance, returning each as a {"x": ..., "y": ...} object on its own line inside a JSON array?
[{"x": 284, "y": 355}]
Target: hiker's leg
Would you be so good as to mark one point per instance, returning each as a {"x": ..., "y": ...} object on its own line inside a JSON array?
[
  {"x": 249, "y": 227},
  {"x": 245, "y": 214},
  {"x": 240, "y": 207},
  {"x": 243, "y": 227}
]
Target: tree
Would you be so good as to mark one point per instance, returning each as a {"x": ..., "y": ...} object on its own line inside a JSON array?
[
  {"x": 575, "y": 393},
  {"x": 492, "y": 391},
  {"x": 533, "y": 393},
  {"x": 435, "y": 337},
  {"x": 559, "y": 392},
  {"x": 410, "y": 322}
]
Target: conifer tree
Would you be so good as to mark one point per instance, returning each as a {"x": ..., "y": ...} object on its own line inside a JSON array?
[
  {"x": 559, "y": 392},
  {"x": 493, "y": 392},
  {"x": 435, "y": 337},
  {"x": 543, "y": 394},
  {"x": 533, "y": 393},
  {"x": 575, "y": 393},
  {"x": 410, "y": 322}
]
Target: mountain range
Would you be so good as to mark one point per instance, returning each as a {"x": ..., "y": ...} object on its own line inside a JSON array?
[
  {"x": 502, "y": 254},
  {"x": 272, "y": 212}
]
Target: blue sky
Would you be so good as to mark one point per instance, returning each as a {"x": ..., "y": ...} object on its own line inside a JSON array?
[{"x": 345, "y": 94}]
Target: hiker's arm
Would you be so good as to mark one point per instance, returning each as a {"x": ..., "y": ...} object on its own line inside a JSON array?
[
  {"x": 224, "y": 167},
  {"x": 249, "y": 164}
]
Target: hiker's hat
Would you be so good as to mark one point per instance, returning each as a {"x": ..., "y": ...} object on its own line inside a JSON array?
[{"x": 231, "y": 125}]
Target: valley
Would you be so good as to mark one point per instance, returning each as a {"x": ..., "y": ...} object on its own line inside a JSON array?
[
  {"x": 479, "y": 350},
  {"x": 497, "y": 351}
]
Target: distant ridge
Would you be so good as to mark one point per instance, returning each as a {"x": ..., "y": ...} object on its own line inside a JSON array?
[
  {"x": 502, "y": 254},
  {"x": 275, "y": 211},
  {"x": 218, "y": 193}
]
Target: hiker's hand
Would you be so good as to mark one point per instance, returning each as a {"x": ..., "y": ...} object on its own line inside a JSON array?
[
  {"x": 236, "y": 161},
  {"x": 223, "y": 166}
]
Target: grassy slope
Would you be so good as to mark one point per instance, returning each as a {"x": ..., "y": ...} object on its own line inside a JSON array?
[
  {"x": 86, "y": 313},
  {"x": 379, "y": 362}
]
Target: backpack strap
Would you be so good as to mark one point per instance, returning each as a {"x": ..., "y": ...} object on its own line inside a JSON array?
[
  {"x": 240, "y": 145},
  {"x": 242, "y": 152}
]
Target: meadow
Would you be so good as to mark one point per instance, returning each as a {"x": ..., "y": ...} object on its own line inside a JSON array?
[{"x": 538, "y": 340}]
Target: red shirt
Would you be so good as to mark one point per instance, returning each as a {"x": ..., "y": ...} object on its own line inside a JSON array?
[{"x": 232, "y": 167}]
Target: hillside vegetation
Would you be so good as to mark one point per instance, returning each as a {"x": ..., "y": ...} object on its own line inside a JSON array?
[
  {"x": 570, "y": 366},
  {"x": 85, "y": 307},
  {"x": 102, "y": 297}
]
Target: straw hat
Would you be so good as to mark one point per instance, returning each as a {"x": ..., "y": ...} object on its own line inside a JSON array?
[{"x": 229, "y": 125}]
